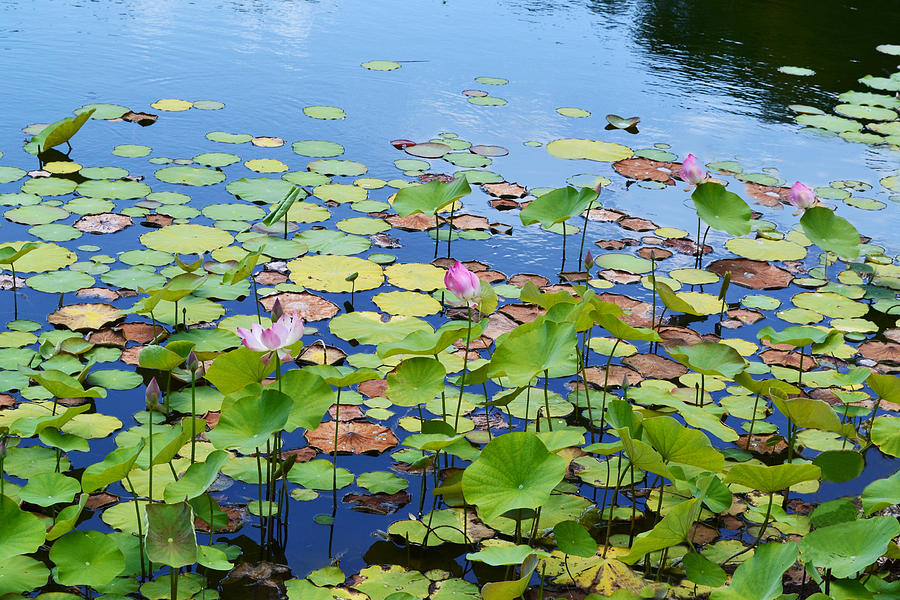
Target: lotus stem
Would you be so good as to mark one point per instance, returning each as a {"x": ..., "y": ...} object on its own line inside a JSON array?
[
  {"x": 563, "y": 267},
  {"x": 337, "y": 422},
  {"x": 547, "y": 399},
  {"x": 173, "y": 582},
  {"x": 702, "y": 246},
  {"x": 605, "y": 384},
  {"x": 12, "y": 266},
  {"x": 462, "y": 380},
  {"x": 150, "y": 451},
  {"x": 137, "y": 514},
  {"x": 699, "y": 247},
  {"x": 256, "y": 297},
  {"x": 193, "y": 413},
  {"x": 761, "y": 532},
  {"x": 653, "y": 279},
  {"x": 583, "y": 234},
  {"x": 259, "y": 493},
  {"x": 450, "y": 226},
  {"x": 615, "y": 502},
  {"x": 752, "y": 421},
  {"x": 800, "y": 372},
  {"x": 437, "y": 230}
]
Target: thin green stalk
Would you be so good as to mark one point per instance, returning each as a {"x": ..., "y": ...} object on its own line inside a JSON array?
[
  {"x": 337, "y": 421},
  {"x": 462, "y": 380},
  {"x": 605, "y": 384},
  {"x": 752, "y": 421},
  {"x": 193, "y": 415},
  {"x": 761, "y": 532},
  {"x": 137, "y": 514},
  {"x": 256, "y": 298},
  {"x": 150, "y": 450},
  {"x": 12, "y": 266},
  {"x": 583, "y": 234},
  {"x": 173, "y": 583},
  {"x": 547, "y": 399},
  {"x": 615, "y": 503},
  {"x": 563, "y": 267},
  {"x": 450, "y": 230}
]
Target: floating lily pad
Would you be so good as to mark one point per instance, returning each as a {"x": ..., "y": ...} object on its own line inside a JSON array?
[
  {"x": 487, "y": 101},
  {"x": 333, "y": 167},
  {"x": 340, "y": 193},
  {"x": 428, "y": 150},
  {"x": 869, "y": 113},
  {"x": 798, "y": 71},
  {"x": 326, "y": 241},
  {"x": 764, "y": 250},
  {"x": 229, "y": 138},
  {"x": 415, "y": 276},
  {"x": 266, "y": 165},
  {"x": 576, "y": 113},
  {"x": 261, "y": 190},
  {"x": 36, "y": 214},
  {"x": 188, "y": 239},
  {"x": 131, "y": 150},
  {"x": 49, "y": 186},
  {"x": 328, "y": 273},
  {"x": 103, "y": 111},
  {"x": 492, "y": 80},
  {"x": 216, "y": 159},
  {"x": 571, "y": 148},
  {"x": 59, "y": 282},
  {"x": 190, "y": 175},
  {"x": 318, "y": 148},
  {"x": 829, "y": 123},
  {"x": 381, "y": 65},
  {"x": 327, "y": 113},
  {"x": 407, "y": 304}
]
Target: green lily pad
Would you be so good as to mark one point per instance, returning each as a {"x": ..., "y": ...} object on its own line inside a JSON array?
[
  {"x": 86, "y": 558},
  {"x": 798, "y": 71},
  {"x": 766, "y": 250},
  {"x": 381, "y": 65},
  {"x": 37, "y": 214},
  {"x": 115, "y": 190},
  {"x": 327, "y": 241},
  {"x": 189, "y": 239},
  {"x": 571, "y": 148},
  {"x": 486, "y": 101},
  {"x": 333, "y": 166},
  {"x": 49, "y": 186},
  {"x": 103, "y": 111},
  {"x": 47, "y": 489},
  {"x": 131, "y": 150},
  {"x": 183, "y": 175},
  {"x": 60, "y": 282},
  {"x": 409, "y": 304},
  {"x": 576, "y": 113},
  {"x": 216, "y": 159},
  {"x": 329, "y": 272},
  {"x": 829, "y": 123},
  {"x": 340, "y": 193},
  {"x": 327, "y": 113},
  {"x": 868, "y": 113},
  {"x": 229, "y": 138},
  {"x": 318, "y": 148},
  {"x": 10, "y": 174}
]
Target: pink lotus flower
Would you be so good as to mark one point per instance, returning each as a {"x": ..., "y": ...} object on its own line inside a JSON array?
[
  {"x": 151, "y": 396},
  {"x": 801, "y": 196},
  {"x": 285, "y": 332},
  {"x": 691, "y": 171},
  {"x": 464, "y": 284}
]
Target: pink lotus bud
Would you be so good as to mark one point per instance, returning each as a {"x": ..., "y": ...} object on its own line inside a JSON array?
[
  {"x": 801, "y": 196},
  {"x": 588, "y": 260},
  {"x": 464, "y": 284},
  {"x": 277, "y": 310},
  {"x": 151, "y": 396},
  {"x": 192, "y": 363},
  {"x": 691, "y": 171}
]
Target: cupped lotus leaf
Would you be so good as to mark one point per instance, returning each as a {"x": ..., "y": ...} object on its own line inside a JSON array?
[
  {"x": 332, "y": 166},
  {"x": 103, "y": 111},
  {"x": 86, "y": 316},
  {"x": 115, "y": 190},
  {"x": 759, "y": 578},
  {"x": 415, "y": 381},
  {"x": 415, "y": 276},
  {"x": 427, "y": 342},
  {"x": 265, "y": 165},
  {"x": 886, "y": 434},
  {"x": 765, "y": 250},
  {"x": 430, "y": 197},
  {"x": 49, "y": 186},
  {"x": 329, "y": 273},
  {"x": 60, "y": 282},
  {"x": 709, "y": 358},
  {"x": 21, "y": 574},
  {"x": 572, "y": 148},
  {"x": 881, "y": 493},
  {"x": 86, "y": 558},
  {"x": 184, "y": 175},
  {"x": 558, "y": 206},
  {"x": 532, "y": 348},
  {"x": 622, "y": 122},
  {"x": 47, "y": 489},
  {"x": 381, "y": 65},
  {"x": 229, "y": 138},
  {"x": 131, "y": 150},
  {"x": 187, "y": 238},
  {"x": 114, "y": 467},
  {"x": 37, "y": 214},
  {"x": 829, "y": 123},
  {"x": 721, "y": 209},
  {"x": 317, "y": 475},
  {"x": 862, "y": 542},
  {"x": 20, "y": 533},
  {"x": 249, "y": 422},
  {"x": 514, "y": 471},
  {"x": 381, "y": 482},
  {"x": 408, "y": 304},
  {"x": 830, "y": 232},
  {"x": 830, "y": 304},
  {"x": 61, "y": 131},
  {"x": 327, "y": 113},
  {"x": 772, "y": 479},
  {"x": 840, "y": 465},
  {"x": 29, "y": 426},
  {"x": 170, "y": 534},
  {"x": 679, "y": 444},
  {"x": 673, "y": 529},
  {"x": 216, "y": 159},
  {"x": 702, "y": 571}
]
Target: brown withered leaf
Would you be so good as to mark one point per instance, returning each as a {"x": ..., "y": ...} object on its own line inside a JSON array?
[
  {"x": 638, "y": 224},
  {"x": 156, "y": 221},
  {"x": 130, "y": 355},
  {"x": 881, "y": 351},
  {"x": 644, "y": 169},
  {"x": 349, "y": 412},
  {"x": 620, "y": 277},
  {"x": 654, "y": 253},
  {"x": 574, "y": 276},
  {"x": 98, "y": 292},
  {"x": 442, "y": 177},
  {"x": 237, "y": 517},
  {"x": 605, "y": 215},
  {"x": 655, "y": 366},
  {"x": 85, "y": 316},
  {"x": 597, "y": 376},
  {"x": 504, "y": 204},
  {"x": 787, "y": 359},
  {"x": 316, "y": 354},
  {"x": 760, "y": 444},
  {"x": 770, "y": 196},
  {"x": 754, "y": 274},
  {"x": 520, "y": 279},
  {"x": 270, "y": 278},
  {"x": 685, "y": 246},
  {"x": 466, "y": 221},
  {"x": 504, "y": 189},
  {"x": 6, "y": 401},
  {"x": 308, "y": 307},
  {"x": 490, "y": 276},
  {"x": 103, "y": 223},
  {"x": 522, "y": 313},
  {"x": 745, "y": 315},
  {"x": 141, "y": 118},
  {"x": 679, "y": 336},
  {"x": 378, "y": 504},
  {"x": 383, "y": 240},
  {"x": 141, "y": 332},
  {"x": 356, "y": 437},
  {"x": 107, "y": 337},
  {"x": 372, "y": 388},
  {"x": 414, "y": 222},
  {"x": 100, "y": 499}
]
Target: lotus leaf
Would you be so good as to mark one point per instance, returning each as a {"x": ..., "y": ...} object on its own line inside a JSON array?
[
  {"x": 759, "y": 577},
  {"x": 189, "y": 239},
  {"x": 329, "y": 273},
  {"x": 86, "y": 558}
]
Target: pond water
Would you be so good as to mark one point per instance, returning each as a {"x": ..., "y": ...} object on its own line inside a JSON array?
[{"x": 702, "y": 80}]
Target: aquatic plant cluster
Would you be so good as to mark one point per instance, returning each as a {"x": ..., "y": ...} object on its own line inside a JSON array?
[{"x": 676, "y": 465}]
